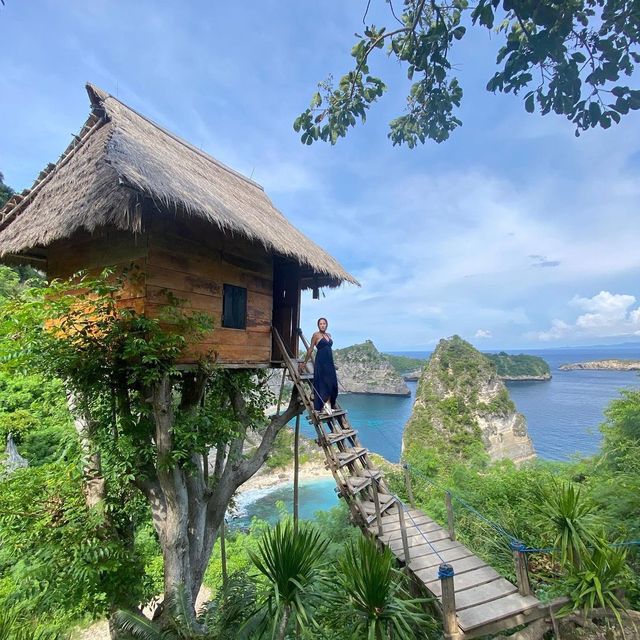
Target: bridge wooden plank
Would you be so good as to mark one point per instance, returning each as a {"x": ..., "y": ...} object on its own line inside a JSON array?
[
  {"x": 430, "y": 574},
  {"x": 418, "y": 539},
  {"x": 417, "y": 551},
  {"x": 484, "y": 593},
  {"x": 391, "y": 524},
  {"x": 467, "y": 580},
  {"x": 483, "y": 614},
  {"x": 445, "y": 550},
  {"x": 432, "y": 561},
  {"x": 411, "y": 531}
]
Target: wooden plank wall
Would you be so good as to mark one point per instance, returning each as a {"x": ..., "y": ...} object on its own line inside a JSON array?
[
  {"x": 105, "y": 247},
  {"x": 193, "y": 260}
]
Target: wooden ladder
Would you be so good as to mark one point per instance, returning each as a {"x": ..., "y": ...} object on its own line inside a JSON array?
[{"x": 359, "y": 482}]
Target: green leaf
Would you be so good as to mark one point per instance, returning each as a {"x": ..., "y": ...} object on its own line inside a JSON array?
[{"x": 529, "y": 104}]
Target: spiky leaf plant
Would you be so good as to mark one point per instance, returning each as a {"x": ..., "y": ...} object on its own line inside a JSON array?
[
  {"x": 292, "y": 563},
  {"x": 571, "y": 519},
  {"x": 377, "y": 601},
  {"x": 16, "y": 626},
  {"x": 602, "y": 575}
]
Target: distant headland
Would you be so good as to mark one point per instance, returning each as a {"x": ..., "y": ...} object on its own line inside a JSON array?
[{"x": 604, "y": 365}]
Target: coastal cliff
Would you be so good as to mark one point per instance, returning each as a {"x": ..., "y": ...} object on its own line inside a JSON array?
[
  {"x": 463, "y": 408},
  {"x": 363, "y": 369},
  {"x": 604, "y": 365}
]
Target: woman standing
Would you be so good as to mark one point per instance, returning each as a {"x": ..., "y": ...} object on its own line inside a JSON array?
[{"x": 325, "y": 380}]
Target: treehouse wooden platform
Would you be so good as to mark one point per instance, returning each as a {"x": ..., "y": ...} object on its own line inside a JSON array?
[{"x": 474, "y": 599}]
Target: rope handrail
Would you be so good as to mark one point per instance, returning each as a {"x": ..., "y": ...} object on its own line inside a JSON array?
[
  {"x": 500, "y": 529},
  {"x": 514, "y": 543},
  {"x": 404, "y": 508}
]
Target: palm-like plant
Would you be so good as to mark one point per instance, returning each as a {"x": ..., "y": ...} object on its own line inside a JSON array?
[
  {"x": 14, "y": 625},
  {"x": 376, "y": 598},
  {"x": 596, "y": 583},
  {"x": 292, "y": 564},
  {"x": 572, "y": 520}
]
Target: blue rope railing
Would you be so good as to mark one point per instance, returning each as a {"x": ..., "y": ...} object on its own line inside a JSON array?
[
  {"x": 497, "y": 527},
  {"x": 415, "y": 524},
  {"x": 514, "y": 543}
]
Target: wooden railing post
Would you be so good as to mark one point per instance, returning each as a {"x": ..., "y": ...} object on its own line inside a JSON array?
[
  {"x": 409, "y": 487},
  {"x": 450, "y": 623},
  {"x": 450, "y": 520},
  {"x": 376, "y": 502},
  {"x": 403, "y": 533},
  {"x": 521, "y": 561}
]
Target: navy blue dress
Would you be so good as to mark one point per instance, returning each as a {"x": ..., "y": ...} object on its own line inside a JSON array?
[{"x": 325, "y": 381}]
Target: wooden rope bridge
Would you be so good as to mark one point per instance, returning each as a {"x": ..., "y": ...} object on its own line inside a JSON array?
[{"x": 474, "y": 599}]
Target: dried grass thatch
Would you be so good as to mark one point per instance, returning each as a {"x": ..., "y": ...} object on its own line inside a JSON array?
[{"x": 121, "y": 157}]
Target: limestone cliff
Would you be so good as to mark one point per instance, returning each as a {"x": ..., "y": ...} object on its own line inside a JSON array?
[
  {"x": 363, "y": 369},
  {"x": 461, "y": 405}
]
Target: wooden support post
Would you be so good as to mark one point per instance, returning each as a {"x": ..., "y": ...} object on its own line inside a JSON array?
[
  {"x": 376, "y": 502},
  {"x": 450, "y": 520},
  {"x": 521, "y": 561},
  {"x": 223, "y": 556},
  {"x": 284, "y": 375},
  {"x": 296, "y": 473},
  {"x": 407, "y": 483},
  {"x": 403, "y": 533},
  {"x": 449, "y": 620}
]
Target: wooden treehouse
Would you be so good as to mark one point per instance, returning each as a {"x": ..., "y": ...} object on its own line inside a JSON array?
[{"x": 127, "y": 193}]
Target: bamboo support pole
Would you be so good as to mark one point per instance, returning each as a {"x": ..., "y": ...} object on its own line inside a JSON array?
[
  {"x": 521, "y": 562},
  {"x": 408, "y": 485},
  {"x": 296, "y": 474},
  {"x": 403, "y": 533},
  {"x": 376, "y": 502},
  {"x": 450, "y": 520},
  {"x": 450, "y": 623}
]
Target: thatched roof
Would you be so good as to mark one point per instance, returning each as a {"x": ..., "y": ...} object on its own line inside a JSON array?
[{"x": 120, "y": 158}]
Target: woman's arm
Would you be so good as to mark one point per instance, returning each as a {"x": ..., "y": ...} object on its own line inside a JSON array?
[{"x": 314, "y": 339}]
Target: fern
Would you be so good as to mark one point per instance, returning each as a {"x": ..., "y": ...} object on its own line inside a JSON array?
[{"x": 139, "y": 628}]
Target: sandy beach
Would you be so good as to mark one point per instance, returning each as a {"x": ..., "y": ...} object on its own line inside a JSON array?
[{"x": 266, "y": 478}]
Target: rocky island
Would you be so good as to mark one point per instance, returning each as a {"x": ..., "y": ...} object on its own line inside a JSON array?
[
  {"x": 519, "y": 367},
  {"x": 363, "y": 369},
  {"x": 463, "y": 409},
  {"x": 604, "y": 365}
]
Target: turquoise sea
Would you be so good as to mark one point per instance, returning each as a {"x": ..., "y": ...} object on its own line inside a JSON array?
[{"x": 563, "y": 416}]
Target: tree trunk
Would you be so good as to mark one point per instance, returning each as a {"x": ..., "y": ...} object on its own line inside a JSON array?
[
  {"x": 284, "y": 621},
  {"x": 93, "y": 485}
]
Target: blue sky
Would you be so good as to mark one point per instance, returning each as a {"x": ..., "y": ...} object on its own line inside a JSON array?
[{"x": 513, "y": 234}]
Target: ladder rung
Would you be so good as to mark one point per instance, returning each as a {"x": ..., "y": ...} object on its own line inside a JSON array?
[
  {"x": 337, "y": 436},
  {"x": 345, "y": 457},
  {"x": 370, "y": 507},
  {"x": 334, "y": 414},
  {"x": 356, "y": 484},
  {"x": 375, "y": 474}
]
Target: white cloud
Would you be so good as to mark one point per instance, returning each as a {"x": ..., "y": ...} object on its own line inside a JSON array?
[
  {"x": 483, "y": 333},
  {"x": 608, "y": 315}
]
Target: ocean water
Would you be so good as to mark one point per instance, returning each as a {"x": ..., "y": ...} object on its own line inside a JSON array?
[
  {"x": 563, "y": 416},
  {"x": 315, "y": 495}
]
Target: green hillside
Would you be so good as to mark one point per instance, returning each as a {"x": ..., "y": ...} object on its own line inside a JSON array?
[{"x": 519, "y": 366}]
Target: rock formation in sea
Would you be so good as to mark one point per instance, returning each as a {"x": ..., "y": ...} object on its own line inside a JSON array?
[
  {"x": 462, "y": 407},
  {"x": 363, "y": 369}
]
